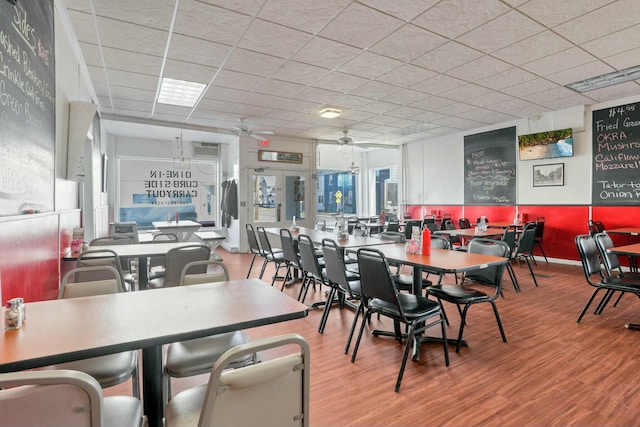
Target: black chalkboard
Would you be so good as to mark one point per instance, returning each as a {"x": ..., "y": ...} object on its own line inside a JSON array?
[
  {"x": 27, "y": 106},
  {"x": 616, "y": 156},
  {"x": 490, "y": 168}
]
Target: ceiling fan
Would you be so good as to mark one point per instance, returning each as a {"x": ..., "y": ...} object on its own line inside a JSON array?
[
  {"x": 243, "y": 130},
  {"x": 346, "y": 140}
]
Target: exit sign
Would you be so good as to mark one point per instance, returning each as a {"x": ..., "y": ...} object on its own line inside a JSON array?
[{"x": 264, "y": 143}]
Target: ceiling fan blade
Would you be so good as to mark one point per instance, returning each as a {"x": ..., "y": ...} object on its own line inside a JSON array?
[{"x": 263, "y": 132}]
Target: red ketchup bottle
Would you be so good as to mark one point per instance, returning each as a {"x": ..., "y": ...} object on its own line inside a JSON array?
[{"x": 426, "y": 241}]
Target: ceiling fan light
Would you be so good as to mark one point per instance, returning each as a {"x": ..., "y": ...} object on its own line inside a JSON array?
[{"x": 330, "y": 113}]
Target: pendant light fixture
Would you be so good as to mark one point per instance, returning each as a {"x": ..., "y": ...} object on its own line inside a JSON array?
[{"x": 181, "y": 162}]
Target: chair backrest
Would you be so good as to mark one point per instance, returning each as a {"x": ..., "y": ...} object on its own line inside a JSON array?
[
  {"x": 230, "y": 392},
  {"x": 178, "y": 258},
  {"x": 359, "y": 229},
  {"x": 445, "y": 217},
  {"x": 395, "y": 236},
  {"x": 408, "y": 227},
  {"x": 165, "y": 237},
  {"x": 491, "y": 275},
  {"x": 527, "y": 238},
  {"x": 157, "y": 261},
  {"x": 308, "y": 259},
  {"x": 320, "y": 225},
  {"x": 539, "y": 228},
  {"x": 450, "y": 225},
  {"x": 464, "y": 223},
  {"x": 289, "y": 250},
  {"x": 406, "y": 215},
  {"x": 440, "y": 242},
  {"x": 351, "y": 222},
  {"x": 108, "y": 283},
  {"x": 509, "y": 237},
  {"x": 611, "y": 261},
  {"x": 50, "y": 398},
  {"x": 189, "y": 277},
  {"x": 265, "y": 244},
  {"x": 254, "y": 246},
  {"x": 429, "y": 218},
  {"x": 111, "y": 240},
  {"x": 589, "y": 257},
  {"x": 127, "y": 228},
  {"x": 595, "y": 227},
  {"x": 375, "y": 278},
  {"x": 334, "y": 264},
  {"x": 393, "y": 225},
  {"x": 97, "y": 256}
]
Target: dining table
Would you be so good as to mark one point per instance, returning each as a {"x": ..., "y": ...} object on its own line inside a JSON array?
[
  {"x": 317, "y": 236},
  {"x": 140, "y": 251},
  {"x": 631, "y": 231},
  {"x": 632, "y": 252},
  {"x": 184, "y": 229},
  {"x": 438, "y": 262},
  {"x": 64, "y": 330}
]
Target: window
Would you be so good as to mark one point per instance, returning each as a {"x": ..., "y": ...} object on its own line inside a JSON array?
[{"x": 329, "y": 184}]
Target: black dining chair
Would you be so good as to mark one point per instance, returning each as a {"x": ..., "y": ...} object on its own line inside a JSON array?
[
  {"x": 381, "y": 296},
  {"x": 465, "y": 296},
  {"x": 346, "y": 282},
  {"x": 590, "y": 259},
  {"x": 271, "y": 255}
]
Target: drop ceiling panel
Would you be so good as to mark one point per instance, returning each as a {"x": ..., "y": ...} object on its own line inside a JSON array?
[{"x": 400, "y": 70}]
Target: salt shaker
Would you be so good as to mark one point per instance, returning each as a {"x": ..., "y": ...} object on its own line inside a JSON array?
[
  {"x": 12, "y": 315},
  {"x": 23, "y": 308}
]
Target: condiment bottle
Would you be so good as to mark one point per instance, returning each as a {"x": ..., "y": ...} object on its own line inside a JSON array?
[
  {"x": 12, "y": 315},
  {"x": 426, "y": 241}
]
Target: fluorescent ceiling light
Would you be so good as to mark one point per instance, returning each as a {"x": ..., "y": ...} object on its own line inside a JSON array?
[
  {"x": 609, "y": 79},
  {"x": 330, "y": 113},
  {"x": 180, "y": 92}
]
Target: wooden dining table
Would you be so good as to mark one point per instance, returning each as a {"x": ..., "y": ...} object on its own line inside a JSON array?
[
  {"x": 439, "y": 262},
  {"x": 64, "y": 330},
  {"x": 317, "y": 236},
  {"x": 632, "y": 252},
  {"x": 631, "y": 231}
]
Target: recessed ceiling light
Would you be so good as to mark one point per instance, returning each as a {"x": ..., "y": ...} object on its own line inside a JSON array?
[
  {"x": 180, "y": 92},
  {"x": 330, "y": 113},
  {"x": 609, "y": 79}
]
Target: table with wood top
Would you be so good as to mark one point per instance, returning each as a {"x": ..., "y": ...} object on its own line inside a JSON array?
[
  {"x": 440, "y": 262},
  {"x": 184, "y": 229},
  {"x": 59, "y": 331},
  {"x": 632, "y": 231},
  {"x": 631, "y": 251},
  {"x": 317, "y": 236},
  {"x": 136, "y": 250}
]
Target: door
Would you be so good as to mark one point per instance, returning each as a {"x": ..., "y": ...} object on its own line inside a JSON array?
[{"x": 277, "y": 197}]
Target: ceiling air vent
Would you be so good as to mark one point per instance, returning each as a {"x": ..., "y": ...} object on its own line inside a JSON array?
[{"x": 206, "y": 149}]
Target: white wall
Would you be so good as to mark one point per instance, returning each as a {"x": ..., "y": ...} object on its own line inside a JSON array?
[{"x": 434, "y": 169}]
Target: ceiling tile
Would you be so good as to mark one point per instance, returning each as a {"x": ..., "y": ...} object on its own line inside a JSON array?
[
  {"x": 465, "y": 91},
  {"x": 551, "y": 64},
  {"x": 402, "y": 9},
  {"x": 204, "y": 21},
  {"x": 340, "y": 82},
  {"x": 447, "y": 57},
  {"x": 298, "y": 72},
  {"x": 552, "y": 12},
  {"x": 273, "y": 39},
  {"x": 369, "y": 65},
  {"x": 613, "y": 17},
  {"x": 438, "y": 84},
  {"x": 347, "y": 27},
  {"x": 618, "y": 42},
  {"x": 236, "y": 80},
  {"x": 326, "y": 53},
  {"x": 197, "y": 51},
  {"x": 484, "y": 66},
  {"x": 304, "y": 15},
  {"x": 506, "y": 29},
  {"x": 408, "y": 42},
  {"x": 250, "y": 62},
  {"x": 537, "y": 46},
  {"x": 406, "y": 75},
  {"x": 374, "y": 90},
  {"x": 529, "y": 87},
  {"x": 118, "y": 34},
  {"x": 506, "y": 78},
  {"x": 452, "y": 18},
  {"x": 280, "y": 88}
]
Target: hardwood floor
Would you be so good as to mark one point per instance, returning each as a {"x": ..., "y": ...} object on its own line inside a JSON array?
[{"x": 551, "y": 372}]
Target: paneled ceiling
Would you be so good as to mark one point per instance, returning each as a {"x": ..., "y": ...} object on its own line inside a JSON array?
[{"x": 400, "y": 70}]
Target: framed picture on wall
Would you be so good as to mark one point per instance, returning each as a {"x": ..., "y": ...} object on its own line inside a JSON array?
[{"x": 548, "y": 175}]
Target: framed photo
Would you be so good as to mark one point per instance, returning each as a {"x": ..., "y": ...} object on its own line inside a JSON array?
[{"x": 548, "y": 175}]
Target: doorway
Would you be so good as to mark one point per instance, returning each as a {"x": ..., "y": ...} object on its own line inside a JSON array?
[{"x": 277, "y": 197}]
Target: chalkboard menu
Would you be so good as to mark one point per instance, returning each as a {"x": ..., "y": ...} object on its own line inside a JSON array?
[
  {"x": 27, "y": 107},
  {"x": 616, "y": 156},
  {"x": 490, "y": 168}
]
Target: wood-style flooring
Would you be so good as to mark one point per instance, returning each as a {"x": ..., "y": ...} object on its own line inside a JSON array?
[{"x": 551, "y": 372}]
